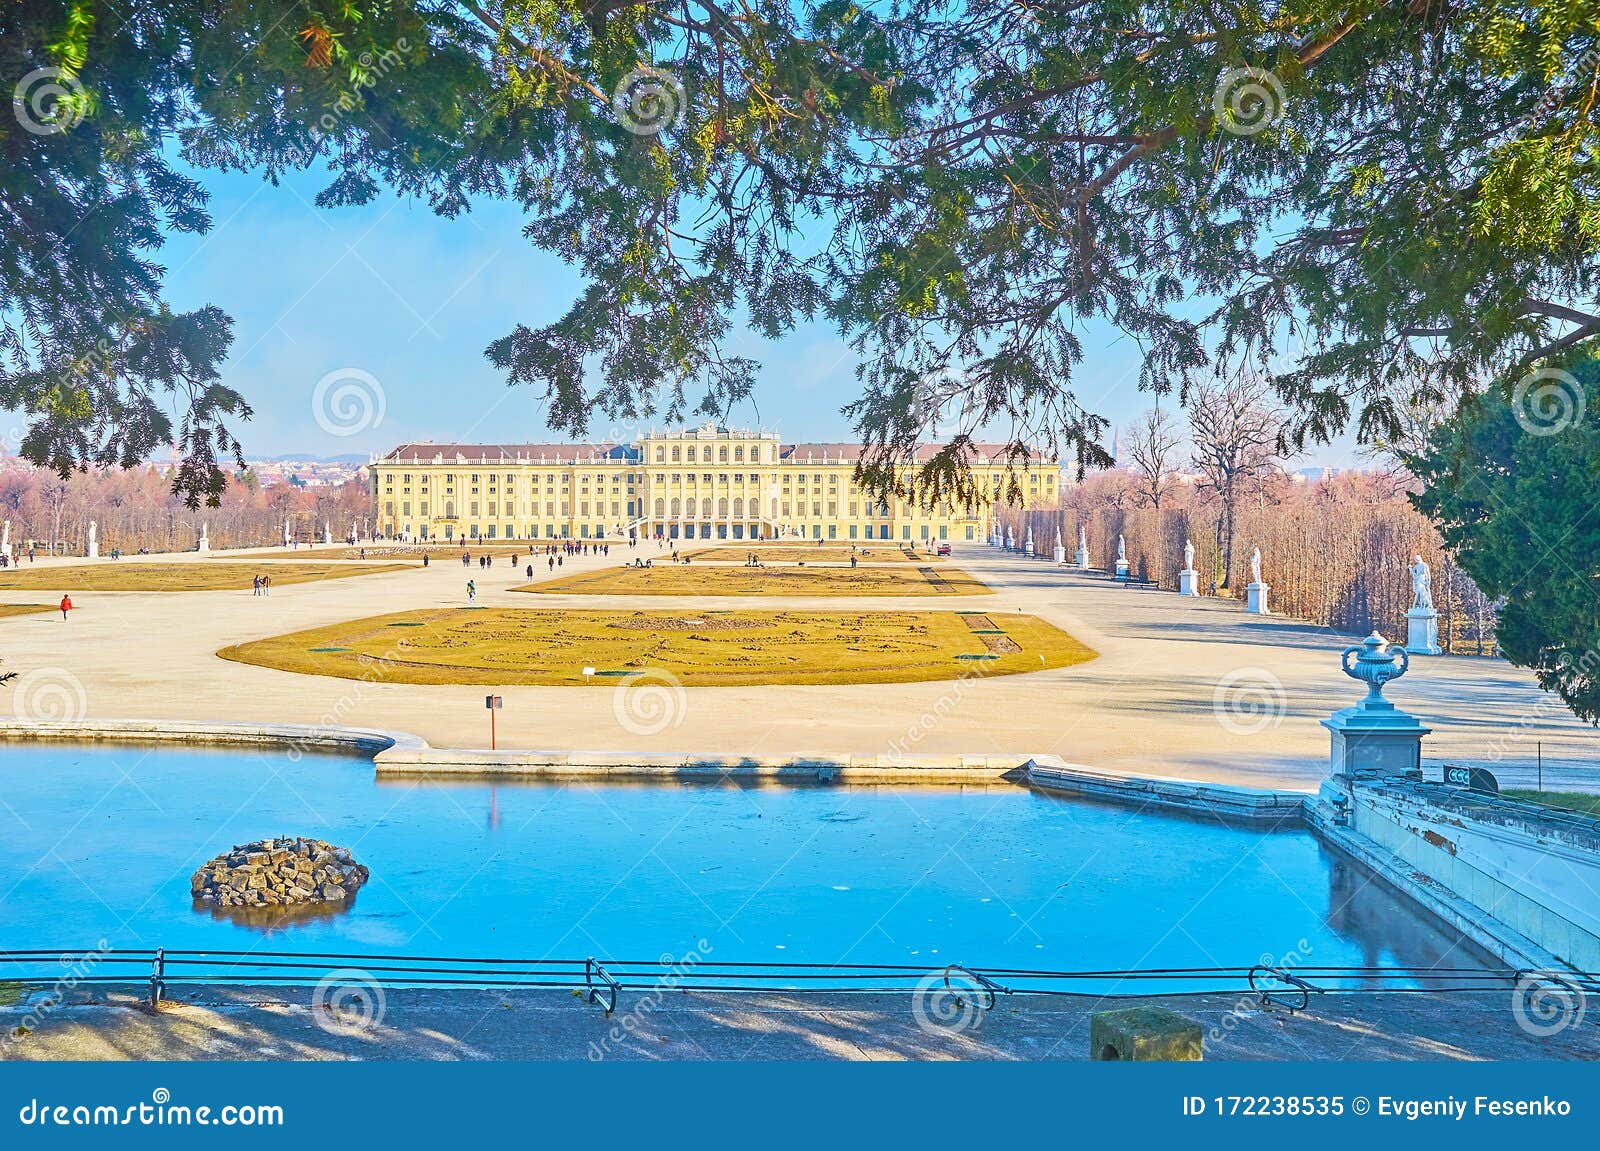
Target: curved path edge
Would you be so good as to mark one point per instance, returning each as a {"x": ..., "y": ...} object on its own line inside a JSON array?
[{"x": 398, "y": 753}]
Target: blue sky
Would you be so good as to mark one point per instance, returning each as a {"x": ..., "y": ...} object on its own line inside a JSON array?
[{"x": 394, "y": 291}]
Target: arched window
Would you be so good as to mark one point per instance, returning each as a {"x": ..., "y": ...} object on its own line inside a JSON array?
[
  {"x": 705, "y": 507},
  {"x": 661, "y": 507},
  {"x": 738, "y": 508},
  {"x": 674, "y": 505}
]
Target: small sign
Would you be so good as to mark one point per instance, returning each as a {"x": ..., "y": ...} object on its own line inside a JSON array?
[
  {"x": 492, "y": 702},
  {"x": 1473, "y": 779}
]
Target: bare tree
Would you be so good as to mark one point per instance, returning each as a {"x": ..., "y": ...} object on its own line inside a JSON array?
[
  {"x": 1153, "y": 447},
  {"x": 1237, "y": 436}
]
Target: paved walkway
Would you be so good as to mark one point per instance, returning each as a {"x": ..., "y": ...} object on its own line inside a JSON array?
[
  {"x": 1147, "y": 706},
  {"x": 274, "y": 1023}
]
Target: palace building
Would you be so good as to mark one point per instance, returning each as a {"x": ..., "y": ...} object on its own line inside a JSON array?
[{"x": 707, "y": 483}]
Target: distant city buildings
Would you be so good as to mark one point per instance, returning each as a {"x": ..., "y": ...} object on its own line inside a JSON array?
[{"x": 307, "y": 473}]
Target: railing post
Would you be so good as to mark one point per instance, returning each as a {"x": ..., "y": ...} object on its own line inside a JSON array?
[{"x": 158, "y": 971}]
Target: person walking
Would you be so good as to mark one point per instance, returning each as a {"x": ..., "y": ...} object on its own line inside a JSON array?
[
  {"x": 552, "y": 563},
  {"x": 472, "y": 591},
  {"x": 255, "y": 585},
  {"x": 424, "y": 559},
  {"x": 66, "y": 606},
  {"x": 266, "y": 585}
]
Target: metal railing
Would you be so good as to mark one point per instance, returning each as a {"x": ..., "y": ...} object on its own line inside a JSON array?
[{"x": 603, "y": 981}]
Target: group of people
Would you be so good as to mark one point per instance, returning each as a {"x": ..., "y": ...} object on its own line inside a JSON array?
[{"x": 262, "y": 585}]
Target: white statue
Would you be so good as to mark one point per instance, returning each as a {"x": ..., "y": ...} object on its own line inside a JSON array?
[
  {"x": 1188, "y": 578},
  {"x": 1122, "y": 550},
  {"x": 1083, "y": 539},
  {"x": 1255, "y": 565},
  {"x": 94, "y": 540},
  {"x": 1422, "y": 621},
  {"x": 1058, "y": 535},
  {"x": 5, "y": 540},
  {"x": 1421, "y": 585}
]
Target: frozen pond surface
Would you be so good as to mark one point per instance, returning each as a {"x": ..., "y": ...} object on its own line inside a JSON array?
[{"x": 98, "y": 842}]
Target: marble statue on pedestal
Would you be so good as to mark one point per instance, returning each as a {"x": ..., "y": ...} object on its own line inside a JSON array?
[
  {"x": 1188, "y": 578},
  {"x": 327, "y": 532},
  {"x": 1060, "y": 552},
  {"x": 1422, "y": 621},
  {"x": 205, "y": 539},
  {"x": 94, "y": 540},
  {"x": 1083, "y": 548},
  {"x": 1027, "y": 544},
  {"x": 1122, "y": 558},
  {"x": 1256, "y": 593},
  {"x": 5, "y": 541}
]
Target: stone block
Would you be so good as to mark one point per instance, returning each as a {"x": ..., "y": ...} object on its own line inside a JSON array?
[{"x": 1144, "y": 1035}]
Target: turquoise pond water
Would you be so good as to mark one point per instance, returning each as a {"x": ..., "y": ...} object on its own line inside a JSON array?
[{"x": 98, "y": 842}]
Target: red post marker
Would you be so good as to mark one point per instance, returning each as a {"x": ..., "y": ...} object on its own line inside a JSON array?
[{"x": 493, "y": 703}]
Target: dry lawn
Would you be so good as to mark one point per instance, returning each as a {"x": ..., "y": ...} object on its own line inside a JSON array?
[{"x": 513, "y": 646}]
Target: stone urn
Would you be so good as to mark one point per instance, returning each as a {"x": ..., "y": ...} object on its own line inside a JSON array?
[{"x": 1376, "y": 663}]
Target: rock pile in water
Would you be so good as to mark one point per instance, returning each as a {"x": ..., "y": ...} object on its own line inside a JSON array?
[{"x": 279, "y": 873}]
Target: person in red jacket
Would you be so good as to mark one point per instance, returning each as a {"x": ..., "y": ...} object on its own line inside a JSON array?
[{"x": 66, "y": 605}]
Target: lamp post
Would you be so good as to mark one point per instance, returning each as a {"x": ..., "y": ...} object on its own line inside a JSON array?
[{"x": 493, "y": 703}]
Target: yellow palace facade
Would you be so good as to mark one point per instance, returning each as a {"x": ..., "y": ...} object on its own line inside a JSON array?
[{"x": 707, "y": 483}]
